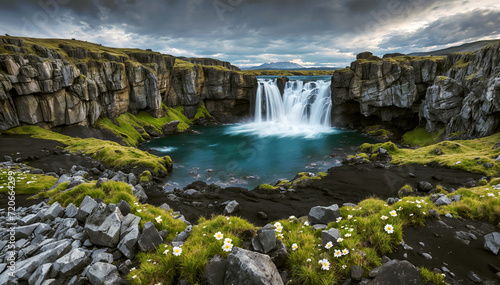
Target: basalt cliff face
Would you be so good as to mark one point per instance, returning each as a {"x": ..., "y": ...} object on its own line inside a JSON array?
[
  {"x": 64, "y": 82},
  {"x": 460, "y": 92}
]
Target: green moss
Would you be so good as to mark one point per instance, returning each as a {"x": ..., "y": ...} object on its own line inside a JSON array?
[
  {"x": 431, "y": 277},
  {"x": 483, "y": 182},
  {"x": 25, "y": 183},
  {"x": 132, "y": 129},
  {"x": 202, "y": 113},
  {"x": 442, "y": 78},
  {"x": 145, "y": 176},
  {"x": 420, "y": 137},
  {"x": 461, "y": 64},
  {"x": 460, "y": 154},
  {"x": 266, "y": 188},
  {"x": 370, "y": 148},
  {"x": 380, "y": 133},
  {"x": 405, "y": 191},
  {"x": 110, "y": 153}
]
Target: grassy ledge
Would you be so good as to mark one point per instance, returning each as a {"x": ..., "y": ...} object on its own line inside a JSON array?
[
  {"x": 110, "y": 153},
  {"x": 468, "y": 155},
  {"x": 26, "y": 183},
  {"x": 136, "y": 129},
  {"x": 420, "y": 137}
]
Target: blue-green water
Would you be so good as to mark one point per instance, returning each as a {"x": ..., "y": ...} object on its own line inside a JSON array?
[{"x": 248, "y": 155}]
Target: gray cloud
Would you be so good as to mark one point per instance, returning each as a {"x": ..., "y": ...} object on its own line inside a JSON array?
[
  {"x": 449, "y": 30},
  {"x": 250, "y": 31}
]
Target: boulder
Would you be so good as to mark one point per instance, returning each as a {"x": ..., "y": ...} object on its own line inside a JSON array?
[
  {"x": 54, "y": 211},
  {"x": 128, "y": 243},
  {"x": 231, "y": 207},
  {"x": 165, "y": 207},
  {"x": 70, "y": 264},
  {"x": 150, "y": 239},
  {"x": 443, "y": 200},
  {"x": 492, "y": 242},
  {"x": 139, "y": 193},
  {"x": 29, "y": 219},
  {"x": 103, "y": 226},
  {"x": 213, "y": 274},
  {"x": 279, "y": 256},
  {"x": 330, "y": 235},
  {"x": 356, "y": 273},
  {"x": 265, "y": 240},
  {"x": 396, "y": 272},
  {"x": 170, "y": 127},
  {"x": 124, "y": 207},
  {"x": 62, "y": 179},
  {"x": 323, "y": 215},
  {"x": 25, "y": 231},
  {"x": 424, "y": 186},
  {"x": 86, "y": 207},
  {"x": 71, "y": 211},
  {"x": 252, "y": 268},
  {"x": 41, "y": 274},
  {"x": 101, "y": 273},
  {"x": 182, "y": 237}
]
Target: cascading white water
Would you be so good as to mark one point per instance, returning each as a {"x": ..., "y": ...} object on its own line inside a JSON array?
[
  {"x": 303, "y": 110},
  {"x": 307, "y": 103}
]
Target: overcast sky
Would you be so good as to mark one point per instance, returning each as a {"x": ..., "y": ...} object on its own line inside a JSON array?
[{"x": 251, "y": 32}]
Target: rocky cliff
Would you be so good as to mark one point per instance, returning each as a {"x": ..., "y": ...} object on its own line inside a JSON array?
[
  {"x": 52, "y": 83},
  {"x": 460, "y": 92},
  {"x": 226, "y": 95}
]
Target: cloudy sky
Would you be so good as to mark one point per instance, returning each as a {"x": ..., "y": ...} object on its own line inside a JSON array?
[{"x": 251, "y": 32}]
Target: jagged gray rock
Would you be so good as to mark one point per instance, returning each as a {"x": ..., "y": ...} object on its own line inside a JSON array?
[
  {"x": 71, "y": 211},
  {"x": 213, "y": 274},
  {"x": 182, "y": 237},
  {"x": 247, "y": 267},
  {"x": 150, "y": 239},
  {"x": 323, "y": 215},
  {"x": 70, "y": 264},
  {"x": 265, "y": 240},
  {"x": 103, "y": 226},
  {"x": 330, "y": 235},
  {"x": 86, "y": 208},
  {"x": 443, "y": 200},
  {"x": 101, "y": 273},
  {"x": 231, "y": 207},
  {"x": 54, "y": 211},
  {"x": 492, "y": 242},
  {"x": 396, "y": 272}
]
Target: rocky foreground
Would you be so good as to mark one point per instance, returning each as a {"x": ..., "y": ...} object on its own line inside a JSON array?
[{"x": 97, "y": 243}]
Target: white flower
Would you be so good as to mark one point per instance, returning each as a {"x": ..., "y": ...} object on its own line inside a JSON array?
[
  {"x": 418, "y": 206},
  {"x": 306, "y": 223},
  {"x": 389, "y": 229},
  {"x": 135, "y": 276},
  {"x": 176, "y": 251},
  {"x": 349, "y": 217},
  {"x": 228, "y": 240},
  {"x": 227, "y": 247},
  {"x": 344, "y": 266},
  {"x": 351, "y": 229},
  {"x": 411, "y": 215},
  {"x": 294, "y": 246},
  {"x": 337, "y": 253},
  {"x": 345, "y": 251},
  {"x": 325, "y": 264},
  {"x": 139, "y": 210},
  {"x": 158, "y": 219},
  {"x": 277, "y": 224},
  {"x": 308, "y": 260},
  {"x": 281, "y": 236},
  {"x": 218, "y": 236},
  {"x": 339, "y": 219},
  {"x": 166, "y": 251},
  {"x": 347, "y": 235},
  {"x": 384, "y": 218},
  {"x": 340, "y": 239},
  {"x": 279, "y": 229},
  {"x": 329, "y": 245},
  {"x": 393, "y": 213},
  {"x": 291, "y": 217}
]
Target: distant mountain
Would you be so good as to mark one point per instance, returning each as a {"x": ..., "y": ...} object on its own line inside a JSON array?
[
  {"x": 468, "y": 47},
  {"x": 285, "y": 66},
  {"x": 277, "y": 65}
]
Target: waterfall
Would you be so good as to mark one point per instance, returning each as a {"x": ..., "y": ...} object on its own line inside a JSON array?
[
  {"x": 302, "y": 103},
  {"x": 303, "y": 110}
]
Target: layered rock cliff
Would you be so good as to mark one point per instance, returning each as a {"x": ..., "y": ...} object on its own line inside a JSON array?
[
  {"x": 63, "y": 82},
  {"x": 460, "y": 92}
]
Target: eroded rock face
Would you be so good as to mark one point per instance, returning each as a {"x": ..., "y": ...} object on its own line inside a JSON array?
[
  {"x": 248, "y": 267},
  {"x": 45, "y": 89},
  {"x": 460, "y": 92}
]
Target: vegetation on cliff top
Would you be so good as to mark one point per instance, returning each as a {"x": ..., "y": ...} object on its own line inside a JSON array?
[
  {"x": 110, "y": 153},
  {"x": 420, "y": 137},
  {"x": 25, "y": 183},
  {"x": 132, "y": 129},
  {"x": 469, "y": 155}
]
